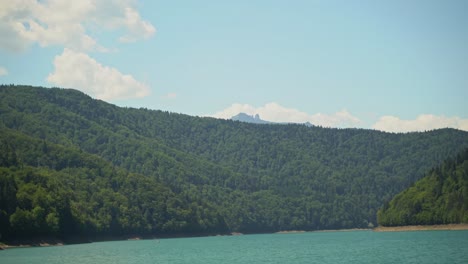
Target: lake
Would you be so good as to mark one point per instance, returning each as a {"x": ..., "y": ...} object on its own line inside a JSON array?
[{"x": 311, "y": 247}]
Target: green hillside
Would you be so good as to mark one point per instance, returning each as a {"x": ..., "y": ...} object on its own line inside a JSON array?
[
  {"x": 68, "y": 192},
  {"x": 441, "y": 197},
  {"x": 193, "y": 174}
]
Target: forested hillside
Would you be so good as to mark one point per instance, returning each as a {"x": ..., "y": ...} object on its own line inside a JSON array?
[
  {"x": 106, "y": 170},
  {"x": 51, "y": 190},
  {"x": 441, "y": 197}
]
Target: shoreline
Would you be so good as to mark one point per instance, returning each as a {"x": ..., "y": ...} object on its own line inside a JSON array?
[
  {"x": 343, "y": 230},
  {"x": 27, "y": 245},
  {"x": 53, "y": 241},
  {"x": 446, "y": 227},
  {"x": 50, "y": 242}
]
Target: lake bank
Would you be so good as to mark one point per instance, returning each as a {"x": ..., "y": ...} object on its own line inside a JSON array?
[
  {"x": 54, "y": 241},
  {"x": 421, "y": 228},
  {"x": 46, "y": 242},
  {"x": 35, "y": 242}
]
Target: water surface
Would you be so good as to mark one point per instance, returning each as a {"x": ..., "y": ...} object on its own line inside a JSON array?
[{"x": 313, "y": 247}]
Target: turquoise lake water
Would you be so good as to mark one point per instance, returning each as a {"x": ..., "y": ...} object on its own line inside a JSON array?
[{"x": 312, "y": 247}]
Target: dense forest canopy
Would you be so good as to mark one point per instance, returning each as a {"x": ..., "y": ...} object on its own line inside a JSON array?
[
  {"x": 74, "y": 165},
  {"x": 441, "y": 197}
]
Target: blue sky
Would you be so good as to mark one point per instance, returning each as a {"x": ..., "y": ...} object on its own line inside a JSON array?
[{"x": 389, "y": 65}]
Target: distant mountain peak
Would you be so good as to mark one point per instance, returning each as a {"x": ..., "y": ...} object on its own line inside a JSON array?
[{"x": 255, "y": 119}]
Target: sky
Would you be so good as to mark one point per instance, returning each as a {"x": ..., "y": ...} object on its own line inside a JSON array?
[{"x": 394, "y": 66}]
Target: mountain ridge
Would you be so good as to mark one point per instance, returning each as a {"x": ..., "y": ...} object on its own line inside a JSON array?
[{"x": 221, "y": 175}]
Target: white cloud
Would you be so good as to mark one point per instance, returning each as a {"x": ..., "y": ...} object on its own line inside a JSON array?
[
  {"x": 78, "y": 70},
  {"x": 136, "y": 27},
  {"x": 276, "y": 113},
  {"x": 3, "y": 71},
  {"x": 73, "y": 24},
  {"x": 66, "y": 23},
  {"x": 12, "y": 16},
  {"x": 421, "y": 123}
]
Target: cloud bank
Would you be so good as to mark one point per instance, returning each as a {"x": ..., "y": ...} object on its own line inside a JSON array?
[
  {"x": 276, "y": 113},
  {"x": 78, "y": 70},
  {"x": 421, "y": 123}
]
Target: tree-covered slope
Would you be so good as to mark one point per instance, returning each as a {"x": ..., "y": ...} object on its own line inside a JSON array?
[
  {"x": 51, "y": 190},
  {"x": 256, "y": 178},
  {"x": 441, "y": 197}
]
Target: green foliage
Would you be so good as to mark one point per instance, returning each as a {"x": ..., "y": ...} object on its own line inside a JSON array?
[
  {"x": 77, "y": 166},
  {"x": 441, "y": 197},
  {"x": 94, "y": 198}
]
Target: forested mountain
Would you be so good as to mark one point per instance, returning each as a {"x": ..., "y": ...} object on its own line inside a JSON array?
[
  {"x": 441, "y": 197},
  {"x": 109, "y": 170}
]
